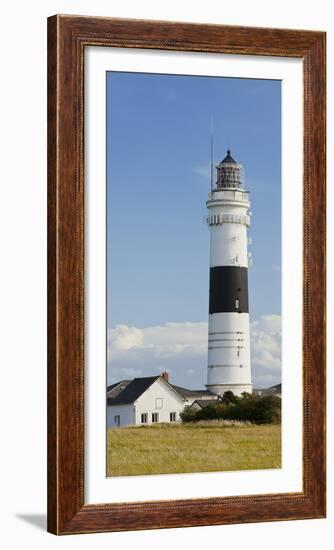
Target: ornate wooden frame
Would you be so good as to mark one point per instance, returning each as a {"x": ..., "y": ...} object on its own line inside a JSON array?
[{"x": 67, "y": 38}]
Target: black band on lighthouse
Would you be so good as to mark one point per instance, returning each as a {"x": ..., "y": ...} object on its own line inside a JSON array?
[{"x": 228, "y": 289}]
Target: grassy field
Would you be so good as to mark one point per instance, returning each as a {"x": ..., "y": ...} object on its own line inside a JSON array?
[{"x": 181, "y": 448}]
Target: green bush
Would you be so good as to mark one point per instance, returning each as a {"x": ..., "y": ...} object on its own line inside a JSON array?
[
  {"x": 229, "y": 397},
  {"x": 188, "y": 415},
  {"x": 260, "y": 410}
]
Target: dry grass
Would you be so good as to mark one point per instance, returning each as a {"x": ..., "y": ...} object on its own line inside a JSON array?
[{"x": 181, "y": 448}]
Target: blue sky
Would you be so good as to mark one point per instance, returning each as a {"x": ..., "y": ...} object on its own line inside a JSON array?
[{"x": 158, "y": 156}]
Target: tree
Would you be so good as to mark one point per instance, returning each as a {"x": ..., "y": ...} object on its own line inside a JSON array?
[
  {"x": 246, "y": 395},
  {"x": 229, "y": 397}
]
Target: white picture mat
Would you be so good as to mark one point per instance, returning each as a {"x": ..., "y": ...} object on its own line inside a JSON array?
[{"x": 99, "y": 488}]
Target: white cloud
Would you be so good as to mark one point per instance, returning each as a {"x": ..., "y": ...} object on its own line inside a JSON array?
[
  {"x": 190, "y": 371},
  {"x": 203, "y": 170},
  {"x": 181, "y": 348},
  {"x": 265, "y": 380},
  {"x": 160, "y": 340},
  {"x": 123, "y": 338},
  {"x": 266, "y": 342},
  {"x": 127, "y": 372},
  {"x": 268, "y": 323}
]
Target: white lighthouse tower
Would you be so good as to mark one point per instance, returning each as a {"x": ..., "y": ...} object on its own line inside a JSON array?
[{"x": 228, "y": 342}]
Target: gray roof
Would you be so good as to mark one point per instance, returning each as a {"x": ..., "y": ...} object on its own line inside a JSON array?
[
  {"x": 134, "y": 389},
  {"x": 276, "y": 388},
  {"x": 205, "y": 402},
  {"x": 190, "y": 393},
  {"x": 273, "y": 390},
  {"x": 112, "y": 386},
  {"x": 115, "y": 389}
]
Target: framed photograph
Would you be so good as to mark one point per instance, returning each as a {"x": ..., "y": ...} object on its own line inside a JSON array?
[{"x": 186, "y": 274}]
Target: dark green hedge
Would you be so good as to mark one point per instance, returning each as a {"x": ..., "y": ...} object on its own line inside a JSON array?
[{"x": 260, "y": 410}]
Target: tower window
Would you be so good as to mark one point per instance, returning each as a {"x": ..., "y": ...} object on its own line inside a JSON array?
[{"x": 237, "y": 304}]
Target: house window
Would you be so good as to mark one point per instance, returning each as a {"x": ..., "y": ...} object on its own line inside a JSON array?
[
  {"x": 117, "y": 420},
  {"x": 158, "y": 403},
  {"x": 172, "y": 417},
  {"x": 155, "y": 417},
  {"x": 144, "y": 418}
]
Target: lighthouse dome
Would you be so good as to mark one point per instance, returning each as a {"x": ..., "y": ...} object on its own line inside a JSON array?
[{"x": 228, "y": 159}]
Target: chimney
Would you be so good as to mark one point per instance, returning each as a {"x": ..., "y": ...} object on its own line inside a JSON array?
[{"x": 165, "y": 376}]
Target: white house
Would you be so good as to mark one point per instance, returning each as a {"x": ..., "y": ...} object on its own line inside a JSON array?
[{"x": 149, "y": 400}]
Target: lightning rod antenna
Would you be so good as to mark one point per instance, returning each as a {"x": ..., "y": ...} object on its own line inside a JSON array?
[{"x": 211, "y": 151}]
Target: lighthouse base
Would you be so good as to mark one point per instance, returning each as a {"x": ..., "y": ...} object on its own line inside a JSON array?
[{"x": 237, "y": 389}]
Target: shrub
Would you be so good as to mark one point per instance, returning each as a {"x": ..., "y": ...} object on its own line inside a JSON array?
[
  {"x": 188, "y": 415},
  {"x": 260, "y": 410},
  {"x": 229, "y": 397}
]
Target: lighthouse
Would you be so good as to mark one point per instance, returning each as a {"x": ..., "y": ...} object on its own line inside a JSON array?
[{"x": 229, "y": 365}]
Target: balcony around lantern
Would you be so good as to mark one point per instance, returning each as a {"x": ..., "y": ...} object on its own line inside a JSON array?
[{"x": 229, "y": 194}]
